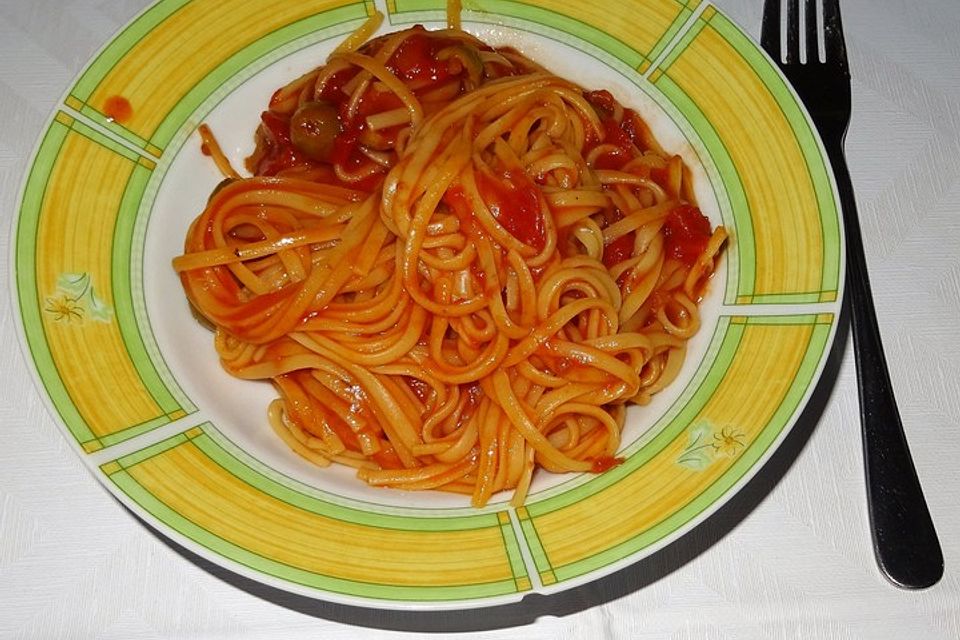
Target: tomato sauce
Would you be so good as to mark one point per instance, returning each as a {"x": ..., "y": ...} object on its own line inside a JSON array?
[
  {"x": 117, "y": 109},
  {"x": 605, "y": 463},
  {"x": 687, "y": 232},
  {"x": 621, "y": 248},
  {"x": 387, "y": 458},
  {"x": 686, "y": 229},
  {"x": 612, "y": 160},
  {"x": 417, "y": 59},
  {"x": 280, "y": 152},
  {"x": 618, "y": 250},
  {"x": 614, "y": 134},
  {"x": 346, "y": 146},
  {"x": 626, "y": 135},
  {"x": 514, "y": 201},
  {"x": 660, "y": 175}
]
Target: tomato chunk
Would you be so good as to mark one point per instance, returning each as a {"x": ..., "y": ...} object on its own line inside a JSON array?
[
  {"x": 687, "y": 232},
  {"x": 416, "y": 59},
  {"x": 514, "y": 201},
  {"x": 605, "y": 463},
  {"x": 618, "y": 250}
]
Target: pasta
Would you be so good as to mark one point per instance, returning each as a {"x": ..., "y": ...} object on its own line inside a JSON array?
[{"x": 454, "y": 266}]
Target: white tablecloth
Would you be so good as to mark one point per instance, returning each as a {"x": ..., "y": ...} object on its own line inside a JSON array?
[{"x": 790, "y": 558}]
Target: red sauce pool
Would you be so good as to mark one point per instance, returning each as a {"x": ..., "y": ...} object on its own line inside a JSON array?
[
  {"x": 605, "y": 463},
  {"x": 687, "y": 232},
  {"x": 117, "y": 109}
]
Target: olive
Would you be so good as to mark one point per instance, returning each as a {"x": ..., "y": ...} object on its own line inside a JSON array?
[{"x": 313, "y": 128}]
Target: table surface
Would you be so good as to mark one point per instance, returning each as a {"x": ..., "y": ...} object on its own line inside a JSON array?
[{"x": 790, "y": 557}]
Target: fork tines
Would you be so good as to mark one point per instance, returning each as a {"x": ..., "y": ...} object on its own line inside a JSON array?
[{"x": 834, "y": 48}]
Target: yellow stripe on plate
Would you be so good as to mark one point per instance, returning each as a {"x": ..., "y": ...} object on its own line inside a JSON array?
[
  {"x": 74, "y": 242},
  {"x": 766, "y": 362},
  {"x": 172, "y": 58},
  {"x": 764, "y": 150},
  {"x": 620, "y": 19},
  {"x": 197, "y": 488}
]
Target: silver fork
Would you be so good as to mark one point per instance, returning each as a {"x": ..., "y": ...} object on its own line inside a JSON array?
[{"x": 904, "y": 539}]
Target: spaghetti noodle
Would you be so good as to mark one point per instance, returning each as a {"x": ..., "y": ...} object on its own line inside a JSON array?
[{"x": 454, "y": 266}]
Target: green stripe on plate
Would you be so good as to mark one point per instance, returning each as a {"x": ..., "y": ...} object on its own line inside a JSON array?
[
  {"x": 275, "y": 488},
  {"x": 670, "y": 33},
  {"x": 295, "y": 575},
  {"x": 32, "y": 321},
  {"x": 135, "y": 458},
  {"x": 512, "y": 545},
  {"x": 328, "y": 509},
  {"x": 133, "y": 431},
  {"x": 114, "y": 127},
  {"x": 683, "y": 43},
  {"x": 537, "y": 551},
  {"x": 26, "y": 278},
  {"x": 807, "y": 139},
  {"x": 123, "y": 293},
  {"x": 121, "y": 44},
  {"x": 319, "y": 26},
  {"x": 786, "y": 298},
  {"x": 745, "y": 243},
  {"x": 341, "y": 20},
  {"x": 790, "y": 321},
  {"x": 104, "y": 141},
  {"x": 540, "y": 16}
]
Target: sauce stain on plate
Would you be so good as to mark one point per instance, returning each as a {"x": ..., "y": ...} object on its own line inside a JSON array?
[{"x": 117, "y": 109}]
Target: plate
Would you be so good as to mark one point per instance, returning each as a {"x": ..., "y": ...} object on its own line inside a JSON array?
[{"x": 134, "y": 381}]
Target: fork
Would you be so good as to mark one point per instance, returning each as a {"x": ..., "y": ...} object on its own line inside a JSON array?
[{"x": 904, "y": 539}]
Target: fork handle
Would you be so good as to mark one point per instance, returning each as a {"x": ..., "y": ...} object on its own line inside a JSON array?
[{"x": 904, "y": 539}]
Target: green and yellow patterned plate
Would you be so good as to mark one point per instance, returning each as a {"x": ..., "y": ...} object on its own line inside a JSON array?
[{"x": 134, "y": 379}]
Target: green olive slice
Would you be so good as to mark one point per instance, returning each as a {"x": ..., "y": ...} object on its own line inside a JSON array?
[{"x": 313, "y": 129}]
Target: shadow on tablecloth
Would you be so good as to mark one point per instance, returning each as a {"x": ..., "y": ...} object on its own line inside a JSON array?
[{"x": 616, "y": 585}]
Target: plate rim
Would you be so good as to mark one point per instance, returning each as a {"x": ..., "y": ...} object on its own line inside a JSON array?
[{"x": 92, "y": 463}]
